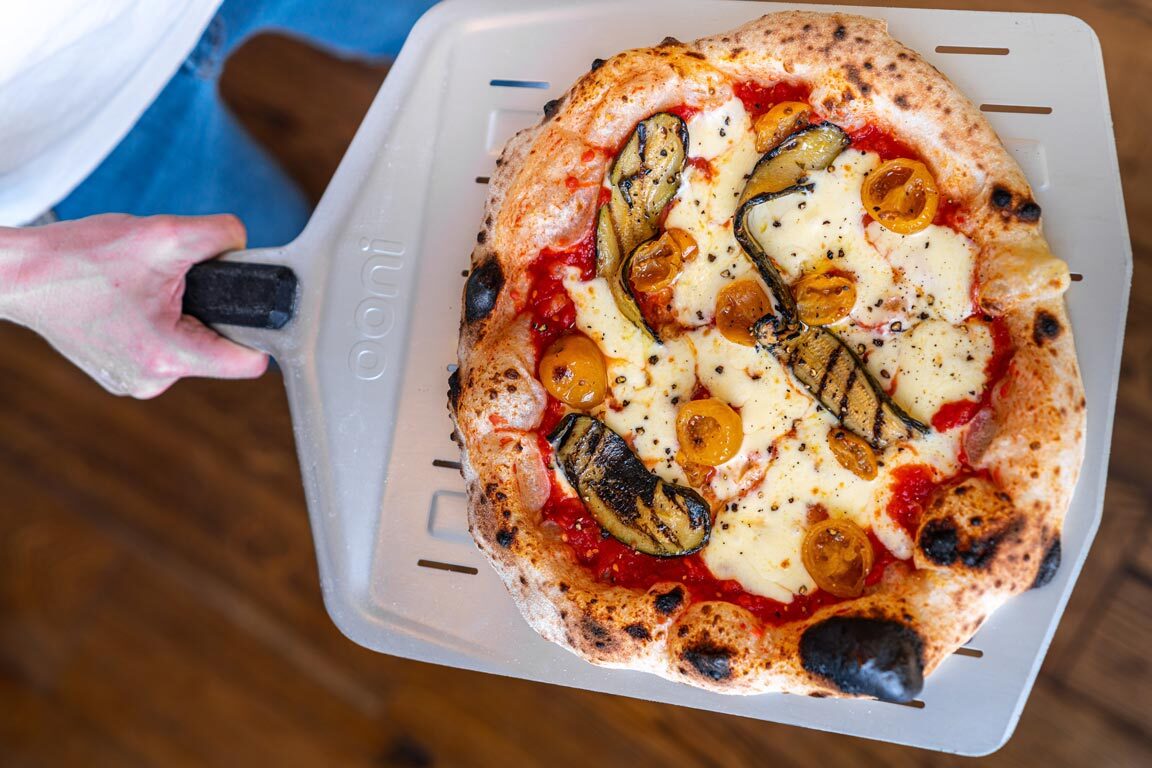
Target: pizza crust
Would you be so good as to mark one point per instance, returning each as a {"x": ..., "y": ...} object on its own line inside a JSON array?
[{"x": 1031, "y": 444}]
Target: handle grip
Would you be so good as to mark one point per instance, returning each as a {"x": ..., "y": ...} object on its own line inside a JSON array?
[{"x": 238, "y": 293}]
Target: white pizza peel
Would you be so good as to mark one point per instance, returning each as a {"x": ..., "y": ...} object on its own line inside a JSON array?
[{"x": 367, "y": 352}]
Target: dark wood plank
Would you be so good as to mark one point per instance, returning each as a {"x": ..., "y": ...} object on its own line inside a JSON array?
[{"x": 1113, "y": 666}]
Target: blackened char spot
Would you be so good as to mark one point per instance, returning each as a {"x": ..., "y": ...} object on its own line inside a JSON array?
[
  {"x": 597, "y": 633},
  {"x": 670, "y": 601},
  {"x": 710, "y": 660},
  {"x": 1001, "y": 198},
  {"x": 670, "y": 41},
  {"x": 550, "y": 108},
  {"x": 1045, "y": 327},
  {"x": 1028, "y": 211},
  {"x": 505, "y": 537},
  {"x": 482, "y": 290},
  {"x": 901, "y": 101},
  {"x": 840, "y": 32},
  {"x": 939, "y": 541},
  {"x": 1049, "y": 565},
  {"x": 454, "y": 389},
  {"x": 979, "y": 552},
  {"x": 597, "y": 63},
  {"x": 871, "y": 657},
  {"x": 638, "y": 631}
]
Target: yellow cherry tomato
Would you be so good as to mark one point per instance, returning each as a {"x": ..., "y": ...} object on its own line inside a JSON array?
[
  {"x": 573, "y": 371},
  {"x": 710, "y": 432},
  {"x": 838, "y": 556},
  {"x": 823, "y": 299},
  {"x": 779, "y": 123},
  {"x": 738, "y": 306},
  {"x": 902, "y": 195},
  {"x": 656, "y": 263},
  {"x": 853, "y": 453}
]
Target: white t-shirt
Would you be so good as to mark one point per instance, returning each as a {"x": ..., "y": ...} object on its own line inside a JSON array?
[{"x": 75, "y": 75}]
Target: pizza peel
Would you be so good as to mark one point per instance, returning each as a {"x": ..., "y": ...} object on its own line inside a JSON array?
[{"x": 361, "y": 312}]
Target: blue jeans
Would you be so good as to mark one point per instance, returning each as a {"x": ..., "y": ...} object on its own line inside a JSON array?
[{"x": 188, "y": 155}]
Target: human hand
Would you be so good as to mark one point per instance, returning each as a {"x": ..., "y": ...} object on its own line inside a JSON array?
[{"x": 106, "y": 291}]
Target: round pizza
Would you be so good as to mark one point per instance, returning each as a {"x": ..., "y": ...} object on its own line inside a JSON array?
[{"x": 765, "y": 377}]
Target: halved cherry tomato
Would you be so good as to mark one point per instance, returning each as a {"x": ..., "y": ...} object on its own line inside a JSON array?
[
  {"x": 738, "y": 306},
  {"x": 853, "y": 453},
  {"x": 823, "y": 299},
  {"x": 656, "y": 263},
  {"x": 838, "y": 556},
  {"x": 710, "y": 432},
  {"x": 697, "y": 474},
  {"x": 573, "y": 371},
  {"x": 779, "y": 123},
  {"x": 902, "y": 195}
]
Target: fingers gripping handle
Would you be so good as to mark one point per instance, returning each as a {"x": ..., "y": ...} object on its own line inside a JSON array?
[{"x": 243, "y": 294}]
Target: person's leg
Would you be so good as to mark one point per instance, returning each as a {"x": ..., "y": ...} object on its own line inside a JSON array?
[
  {"x": 188, "y": 155},
  {"x": 361, "y": 28}
]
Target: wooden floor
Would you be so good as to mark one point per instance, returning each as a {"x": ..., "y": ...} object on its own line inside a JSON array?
[{"x": 158, "y": 594}]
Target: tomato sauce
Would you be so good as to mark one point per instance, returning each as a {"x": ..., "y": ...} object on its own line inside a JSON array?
[
  {"x": 758, "y": 99},
  {"x": 703, "y": 165},
  {"x": 551, "y": 309},
  {"x": 960, "y": 412},
  {"x": 684, "y": 112},
  {"x": 912, "y": 484}
]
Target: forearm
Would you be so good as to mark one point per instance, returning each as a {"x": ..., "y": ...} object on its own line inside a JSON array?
[{"x": 16, "y": 276}]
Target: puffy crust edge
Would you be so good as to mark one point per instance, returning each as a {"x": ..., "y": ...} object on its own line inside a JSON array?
[{"x": 1032, "y": 444}]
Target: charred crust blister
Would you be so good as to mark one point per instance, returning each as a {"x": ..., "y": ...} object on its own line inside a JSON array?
[
  {"x": 1001, "y": 198},
  {"x": 863, "y": 656},
  {"x": 597, "y": 633},
  {"x": 482, "y": 290},
  {"x": 1045, "y": 327},
  {"x": 551, "y": 107},
  {"x": 597, "y": 63},
  {"x": 1049, "y": 565},
  {"x": 505, "y": 537},
  {"x": 710, "y": 660},
  {"x": 670, "y": 601},
  {"x": 939, "y": 541},
  {"x": 638, "y": 632},
  {"x": 454, "y": 390},
  {"x": 1028, "y": 211}
]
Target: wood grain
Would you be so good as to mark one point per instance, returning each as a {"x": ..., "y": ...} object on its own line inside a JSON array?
[{"x": 158, "y": 593}]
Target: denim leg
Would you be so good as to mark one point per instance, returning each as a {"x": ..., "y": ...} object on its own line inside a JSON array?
[
  {"x": 188, "y": 155},
  {"x": 361, "y": 28}
]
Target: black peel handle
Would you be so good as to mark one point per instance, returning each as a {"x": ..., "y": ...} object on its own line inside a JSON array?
[{"x": 236, "y": 293}]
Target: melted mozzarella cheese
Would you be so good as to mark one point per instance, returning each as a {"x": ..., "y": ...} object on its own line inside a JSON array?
[
  {"x": 757, "y": 539},
  {"x": 704, "y": 207},
  {"x": 716, "y": 131},
  {"x": 646, "y": 380},
  {"x": 940, "y": 363},
  {"x": 769, "y": 402},
  {"x": 934, "y": 268}
]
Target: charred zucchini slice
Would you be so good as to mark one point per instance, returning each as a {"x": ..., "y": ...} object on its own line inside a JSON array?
[
  {"x": 633, "y": 504},
  {"x": 644, "y": 177},
  {"x": 837, "y": 378},
  {"x": 782, "y": 172}
]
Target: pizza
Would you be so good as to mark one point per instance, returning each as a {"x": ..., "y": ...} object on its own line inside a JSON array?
[{"x": 765, "y": 380}]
